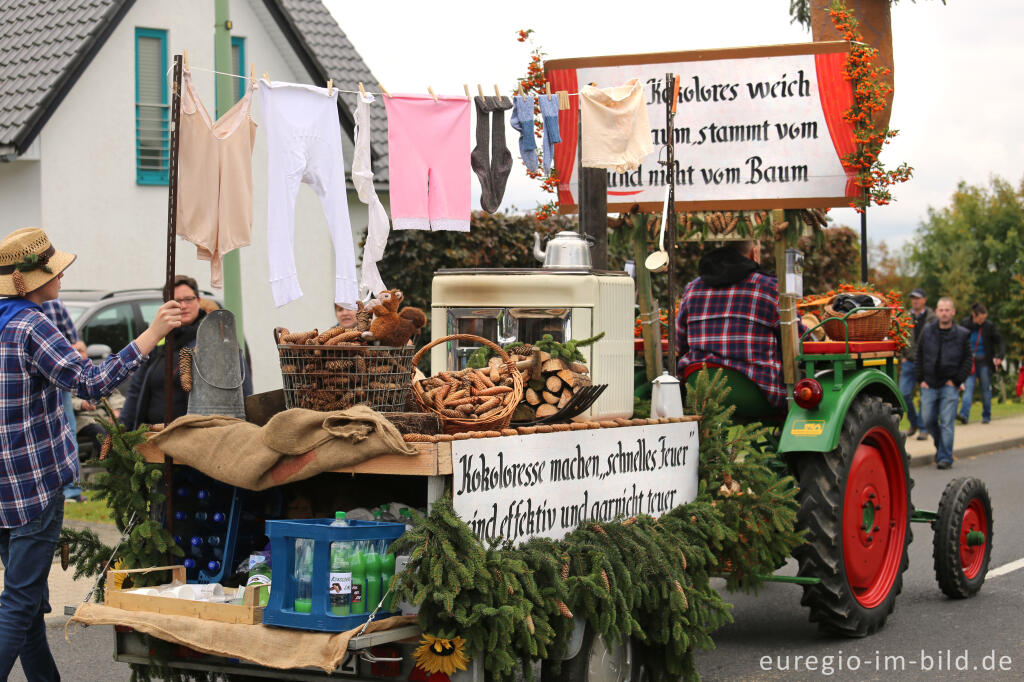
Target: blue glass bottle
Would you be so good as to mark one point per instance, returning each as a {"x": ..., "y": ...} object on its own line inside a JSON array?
[
  {"x": 201, "y": 516},
  {"x": 220, "y": 517},
  {"x": 180, "y": 516},
  {"x": 213, "y": 566}
]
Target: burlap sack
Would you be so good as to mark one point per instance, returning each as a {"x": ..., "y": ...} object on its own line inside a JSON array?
[
  {"x": 280, "y": 648},
  {"x": 293, "y": 445}
]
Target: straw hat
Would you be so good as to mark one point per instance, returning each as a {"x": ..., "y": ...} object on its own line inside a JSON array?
[{"x": 28, "y": 261}]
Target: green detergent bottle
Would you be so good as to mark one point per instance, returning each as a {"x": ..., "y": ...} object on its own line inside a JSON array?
[
  {"x": 387, "y": 572},
  {"x": 371, "y": 560},
  {"x": 358, "y": 581}
]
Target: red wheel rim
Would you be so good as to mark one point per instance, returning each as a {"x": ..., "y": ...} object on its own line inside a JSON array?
[
  {"x": 874, "y": 517},
  {"x": 972, "y": 556}
]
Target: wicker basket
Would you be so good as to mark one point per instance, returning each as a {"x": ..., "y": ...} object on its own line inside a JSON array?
[
  {"x": 327, "y": 378},
  {"x": 865, "y": 325},
  {"x": 452, "y": 425}
]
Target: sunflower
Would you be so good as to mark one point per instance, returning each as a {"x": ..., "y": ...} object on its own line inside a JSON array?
[{"x": 441, "y": 655}]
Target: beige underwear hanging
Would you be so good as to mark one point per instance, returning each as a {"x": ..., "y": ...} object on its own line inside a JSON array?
[{"x": 214, "y": 177}]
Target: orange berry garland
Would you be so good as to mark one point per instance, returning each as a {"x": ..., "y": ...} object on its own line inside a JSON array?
[{"x": 869, "y": 96}]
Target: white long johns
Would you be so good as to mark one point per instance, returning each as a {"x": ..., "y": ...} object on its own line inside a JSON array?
[
  {"x": 379, "y": 226},
  {"x": 304, "y": 145}
]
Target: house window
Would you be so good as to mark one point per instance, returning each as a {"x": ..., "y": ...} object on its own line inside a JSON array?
[
  {"x": 152, "y": 112},
  {"x": 238, "y": 65}
]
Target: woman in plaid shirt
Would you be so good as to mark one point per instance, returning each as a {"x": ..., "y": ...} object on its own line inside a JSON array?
[{"x": 37, "y": 446}]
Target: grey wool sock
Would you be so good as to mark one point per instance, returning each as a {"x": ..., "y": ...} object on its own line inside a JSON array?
[{"x": 491, "y": 159}]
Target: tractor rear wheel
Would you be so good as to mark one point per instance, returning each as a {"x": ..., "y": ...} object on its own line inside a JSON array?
[
  {"x": 855, "y": 506},
  {"x": 962, "y": 544}
]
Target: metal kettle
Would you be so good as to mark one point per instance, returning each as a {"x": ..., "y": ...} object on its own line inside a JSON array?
[
  {"x": 566, "y": 250},
  {"x": 666, "y": 397}
]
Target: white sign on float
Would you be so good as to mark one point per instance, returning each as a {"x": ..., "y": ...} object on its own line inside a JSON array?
[
  {"x": 545, "y": 485},
  {"x": 754, "y": 128}
]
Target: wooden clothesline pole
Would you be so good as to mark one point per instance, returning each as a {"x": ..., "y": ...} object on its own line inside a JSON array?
[{"x": 172, "y": 215}]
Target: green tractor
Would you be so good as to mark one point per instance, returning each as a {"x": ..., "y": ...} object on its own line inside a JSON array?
[{"x": 840, "y": 438}]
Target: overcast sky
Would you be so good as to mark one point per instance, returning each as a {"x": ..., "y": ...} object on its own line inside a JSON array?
[{"x": 959, "y": 72}]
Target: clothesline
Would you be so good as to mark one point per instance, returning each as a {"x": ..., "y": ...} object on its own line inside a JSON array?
[{"x": 654, "y": 83}]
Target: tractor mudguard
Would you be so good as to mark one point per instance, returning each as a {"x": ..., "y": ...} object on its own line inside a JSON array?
[{"x": 818, "y": 430}]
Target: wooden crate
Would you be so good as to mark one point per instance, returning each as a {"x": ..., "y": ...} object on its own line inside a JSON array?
[{"x": 248, "y": 613}]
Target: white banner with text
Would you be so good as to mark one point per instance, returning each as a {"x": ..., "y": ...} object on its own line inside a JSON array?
[{"x": 546, "y": 484}]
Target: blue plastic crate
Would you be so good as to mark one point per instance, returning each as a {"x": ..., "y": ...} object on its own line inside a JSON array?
[{"x": 280, "y": 610}]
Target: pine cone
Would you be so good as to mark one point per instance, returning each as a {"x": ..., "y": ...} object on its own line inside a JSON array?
[
  {"x": 607, "y": 585},
  {"x": 565, "y": 568},
  {"x": 564, "y": 610},
  {"x": 185, "y": 368},
  {"x": 105, "y": 448},
  {"x": 65, "y": 556},
  {"x": 529, "y": 624}
]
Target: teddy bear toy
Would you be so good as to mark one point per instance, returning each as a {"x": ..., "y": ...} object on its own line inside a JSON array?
[{"x": 389, "y": 326}]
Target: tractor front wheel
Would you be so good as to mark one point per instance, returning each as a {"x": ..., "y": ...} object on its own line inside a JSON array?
[
  {"x": 855, "y": 506},
  {"x": 962, "y": 544}
]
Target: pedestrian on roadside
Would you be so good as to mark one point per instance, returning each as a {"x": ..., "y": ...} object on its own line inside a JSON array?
[
  {"x": 987, "y": 351},
  {"x": 941, "y": 365},
  {"x": 37, "y": 454},
  {"x": 922, "y": 315}
]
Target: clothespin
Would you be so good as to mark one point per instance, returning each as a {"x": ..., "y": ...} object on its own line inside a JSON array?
[
  {"x": 497, "y": 93},
  {"x": 480, "y": 90},
  {"x": 547, "y": 90},
  {"x": 330, "y": 87},
  {"x": 184, "y": 54},
  {"x": 466, "y": 88},
  {"x": 266, "y": 76},
  {"x": 362, "y": 91},
  {"x": 563, "y": 100},
  {"x": 381, "y": 86},
  {"x": 252, "y": 74},
  {"x": 675, "y": 92},
  {"x": 431, "y": 91},
  {"x": 519, "y": 89}
]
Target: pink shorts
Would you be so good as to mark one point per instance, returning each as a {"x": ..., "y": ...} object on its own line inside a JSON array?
[{"x": 428, "y": 156}]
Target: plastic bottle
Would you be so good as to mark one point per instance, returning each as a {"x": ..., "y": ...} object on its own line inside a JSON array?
[
  {"x": 358, "y": 582},
  {"x": 261, "y": 575},
  {"x": 406, "y": 517},
  {"x": 197, "y": 546},
  {"x": 378, "y": 515},
  {"x": 303, "y": 575},
  {"x": 339, "y": 582},
  {"x": 387, "y": 573},
  {"x": 371, "y": 562}
]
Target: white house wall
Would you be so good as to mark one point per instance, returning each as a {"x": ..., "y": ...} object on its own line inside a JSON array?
[
  {"x": 20, "y": 202},
  {"x": 92, "y": 205}
]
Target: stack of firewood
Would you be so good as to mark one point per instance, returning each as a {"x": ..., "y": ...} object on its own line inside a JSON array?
[{"x": 550, "y": 384}]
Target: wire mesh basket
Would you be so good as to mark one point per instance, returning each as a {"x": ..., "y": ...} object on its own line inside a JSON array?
[{"x": 327, "y": 378}]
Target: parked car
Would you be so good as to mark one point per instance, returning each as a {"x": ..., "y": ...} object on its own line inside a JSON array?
[{"x": 107, "y": 321}]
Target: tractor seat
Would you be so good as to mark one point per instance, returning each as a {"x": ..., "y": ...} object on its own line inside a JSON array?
[{"x": 748, "y": 398}]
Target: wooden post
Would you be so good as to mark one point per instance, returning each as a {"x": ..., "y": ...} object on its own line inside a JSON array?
[
  {"x": 650, "y": 324},
  {"x": 787, "y": 304},
  {"x": 593, "y": 216},
  {"x": 172, "y": 215}
]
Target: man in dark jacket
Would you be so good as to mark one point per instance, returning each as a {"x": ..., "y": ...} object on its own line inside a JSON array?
[
  {"x": 941, "y": 365},
  {"x": 988, "y": 350},
  {"x": 922, "y": 315}
]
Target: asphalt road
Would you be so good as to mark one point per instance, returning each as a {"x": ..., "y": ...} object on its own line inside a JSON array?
[
  {"x": 926, "y": 626},
  {"x": 771, "y": 630}
]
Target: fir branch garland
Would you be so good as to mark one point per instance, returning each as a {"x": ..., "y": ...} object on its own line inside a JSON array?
[{"x": 643, "y": 578}]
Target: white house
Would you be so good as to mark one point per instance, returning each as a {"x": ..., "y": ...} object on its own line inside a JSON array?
[{"x": 84, "y": 100}]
